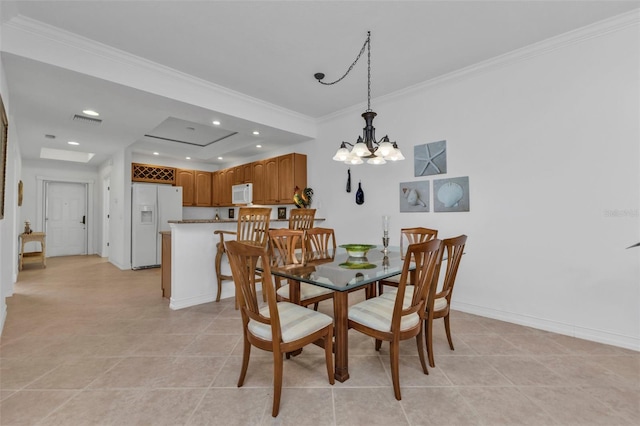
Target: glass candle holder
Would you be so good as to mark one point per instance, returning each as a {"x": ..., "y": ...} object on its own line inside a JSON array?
[{"x": 385, "y": 234}]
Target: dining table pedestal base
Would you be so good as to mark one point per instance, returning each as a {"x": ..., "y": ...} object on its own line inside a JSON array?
[{"x": 340, "y": 310}]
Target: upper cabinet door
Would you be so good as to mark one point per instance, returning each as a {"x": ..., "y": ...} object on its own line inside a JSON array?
[
  {"x": 258, "y": 182},
  {"x": 292, "y": 172},
  {"x": 202, "y": 189},
  {"x": 186, "y": 179},
  {"x": 216, "y": 189},
  {"x": 271, "y": 188}
]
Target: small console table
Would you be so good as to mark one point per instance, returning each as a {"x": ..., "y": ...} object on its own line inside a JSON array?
[{"x": 36, "y": 256}]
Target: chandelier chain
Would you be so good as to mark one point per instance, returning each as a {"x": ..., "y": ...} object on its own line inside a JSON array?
[
  {"x": 368, "y": 70},
  {"x": 366, "y": 43}
]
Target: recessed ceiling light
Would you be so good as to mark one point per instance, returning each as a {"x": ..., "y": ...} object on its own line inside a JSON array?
[
  {"x": 216, "y": 123},
  {"x": 90, "y": 112},
  {"x": 156, "y": 153},
  {"x": 73, "y": 143},
  {"x": 255, "y": 132},
  {"x": 219, "y": 158},
  {"x": 258, "y": 146},
  {"x": 188, "y": 158}
]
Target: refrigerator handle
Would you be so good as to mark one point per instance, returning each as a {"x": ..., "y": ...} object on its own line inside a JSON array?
[{"x": 84, "y": 220}]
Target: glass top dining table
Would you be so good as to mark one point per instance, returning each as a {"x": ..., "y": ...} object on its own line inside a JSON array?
[{"x": 343, "y": 274}]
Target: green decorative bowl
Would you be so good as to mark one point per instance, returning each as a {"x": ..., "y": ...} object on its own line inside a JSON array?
[{"x": 357, "y": 250}]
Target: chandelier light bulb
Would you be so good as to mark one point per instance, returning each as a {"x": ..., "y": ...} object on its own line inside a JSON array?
[
  {"x": 360, "y": 149},
  {"x": 376, "y": 161},
  {"x": 353, "y": 159},
  {"x": 396, "y": 155},
  {"x": 385, "y": 149},
  {"x": 342, "y": 154}
]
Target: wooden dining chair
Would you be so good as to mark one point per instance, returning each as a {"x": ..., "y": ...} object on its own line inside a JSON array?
[
  {"x": 278, "y": 327},
  {"x": 408, "y": 236},
  {"x": 438, "y": 306},
  {"x": 288, "y": 248},
  {"x": 399, "y": 318},
  {"x": 253, "y": 227},
  {"x": 301, "y": 218},
  {"x": 322, "y": 243}
]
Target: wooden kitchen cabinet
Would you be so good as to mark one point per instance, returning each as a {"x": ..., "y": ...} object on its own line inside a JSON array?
[
  {"x": 242, "y": 174},
  {"x": 292, "y": 172},
  {"x": 274, "y": 182},
  {"x": 186, "y": 179},
  {"x": 216, "y": 188},
  {"x": 270, "y": 187},
  {"x": 202, "y": 189},
  {"x": 196, "y": 187},
  {"x": 222, "y": 181},
  {"x": 282, "y": 175},
  {"x": 257, "y": 174}
]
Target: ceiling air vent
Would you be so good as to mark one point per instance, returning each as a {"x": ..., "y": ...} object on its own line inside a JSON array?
[{"x": 87, "y": 120}]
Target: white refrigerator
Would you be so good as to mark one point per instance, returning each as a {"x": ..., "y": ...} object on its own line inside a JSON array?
[{"x": 151, "y": 207}]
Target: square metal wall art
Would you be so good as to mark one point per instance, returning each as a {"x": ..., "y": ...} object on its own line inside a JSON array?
[
  {"x": 430, "y": 159},
  {"x": 451, "y": 195},
  {"x": 414, "y": 196}
]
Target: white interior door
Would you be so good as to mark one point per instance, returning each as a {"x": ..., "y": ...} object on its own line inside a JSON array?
[{"x": 66, "y": 218}]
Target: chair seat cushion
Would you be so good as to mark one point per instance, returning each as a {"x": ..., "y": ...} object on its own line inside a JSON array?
[
  {"x": 295, "y": 322},
  {"x": 408, "y": 295},
  {"x": 307, "y": 291},
  {"x": 377, "y": 312},
  {"x": 394, "y": 279},
  {"x": 438, "y": 305}
]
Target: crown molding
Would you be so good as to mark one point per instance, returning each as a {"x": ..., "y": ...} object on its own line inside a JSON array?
[
  {"x": 23, "y": 24},
  {"x": 579, "y": 35}
]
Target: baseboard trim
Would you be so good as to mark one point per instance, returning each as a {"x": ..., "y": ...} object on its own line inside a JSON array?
[
  {"x": 191, "y": 301},
  {"x": 599, "y": 336}
]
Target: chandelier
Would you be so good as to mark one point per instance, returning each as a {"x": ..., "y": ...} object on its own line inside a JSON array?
[{"x": 376, "y": 152}]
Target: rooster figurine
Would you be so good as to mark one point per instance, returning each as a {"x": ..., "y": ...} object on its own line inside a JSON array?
[{"x": 302, "y": 198}]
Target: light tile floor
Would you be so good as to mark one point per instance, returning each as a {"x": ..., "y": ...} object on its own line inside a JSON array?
[{"x": 87, "y": 344}]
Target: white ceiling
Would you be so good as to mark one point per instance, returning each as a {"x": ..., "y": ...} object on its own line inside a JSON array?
[{"x": 268, "y": 50}]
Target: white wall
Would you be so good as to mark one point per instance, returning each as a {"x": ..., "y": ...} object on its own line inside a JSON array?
[
  {"x": 551, "y": 147},
  {"x": 8, "y": 225}
]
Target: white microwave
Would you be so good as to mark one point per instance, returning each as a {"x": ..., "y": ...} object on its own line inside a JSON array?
[{"x": 242, "y": 194}]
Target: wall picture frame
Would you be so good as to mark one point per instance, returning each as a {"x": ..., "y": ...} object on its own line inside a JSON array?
[
  {"x": 282, "y": 213},
  {"x": 451, "y": 194},
  {"x": 430, "y": 159},
  {"x": 4, "y": 126},
  {"x": 414, "y": 196}
]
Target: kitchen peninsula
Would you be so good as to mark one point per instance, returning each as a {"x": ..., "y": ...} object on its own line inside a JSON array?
[{"x": 193, "y": 279}]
